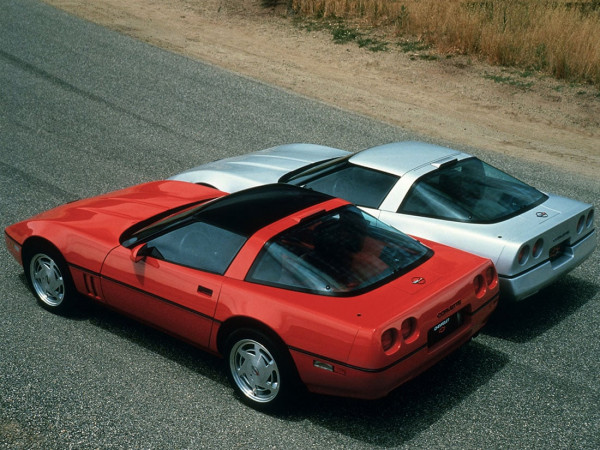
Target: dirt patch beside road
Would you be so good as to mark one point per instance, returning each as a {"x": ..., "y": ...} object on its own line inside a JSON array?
[{"x": 456, "y": 100}]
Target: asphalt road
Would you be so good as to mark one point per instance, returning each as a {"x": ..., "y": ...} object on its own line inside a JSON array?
[{"x": 84, "y": 110}]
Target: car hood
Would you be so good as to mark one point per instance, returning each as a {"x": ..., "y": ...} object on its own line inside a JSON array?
[
  {"x": 85, "y": 230},
  {"x": 257, "y": 168},
  {"x": 119, "y": 209}
]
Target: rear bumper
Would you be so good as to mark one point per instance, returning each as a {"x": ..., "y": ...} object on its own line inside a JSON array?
[
  {"x": 349, "y": 381},
  {"x": 528, "y": 283}
]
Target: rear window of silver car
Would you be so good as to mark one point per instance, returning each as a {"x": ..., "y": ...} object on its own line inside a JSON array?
[{"x": 470, "y": 191}]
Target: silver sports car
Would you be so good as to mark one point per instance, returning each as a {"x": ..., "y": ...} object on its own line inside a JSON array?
[{"x": 436, "y": 193}]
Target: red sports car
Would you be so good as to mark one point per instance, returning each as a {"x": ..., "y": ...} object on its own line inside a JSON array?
[{"x": 289, "y": 285}]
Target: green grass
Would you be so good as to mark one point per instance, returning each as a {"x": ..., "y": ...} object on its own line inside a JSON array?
[
  {"x": 341, "y": 33},
  {"x": 413, "y": 46},
  {"x": 511, "y": 81}
]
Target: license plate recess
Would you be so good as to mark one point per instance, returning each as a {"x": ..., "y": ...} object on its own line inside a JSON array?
[{"x": 445, "y": 327}]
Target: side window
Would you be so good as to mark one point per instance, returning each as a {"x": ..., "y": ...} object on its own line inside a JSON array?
[
  {"x": 279, "y": 265},
  {"x": 198, "y": 245},
  {"x": 358, "y": 185},
  {"x": 435, "y": 196}
]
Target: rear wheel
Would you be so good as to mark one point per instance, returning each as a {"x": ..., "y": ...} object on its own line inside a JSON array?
[
  {"x": 260, "y": 369},
  {"x": 49, "y": 278}
]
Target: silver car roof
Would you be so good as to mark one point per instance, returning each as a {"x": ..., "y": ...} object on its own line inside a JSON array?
[{"x": 399, "y": 158}]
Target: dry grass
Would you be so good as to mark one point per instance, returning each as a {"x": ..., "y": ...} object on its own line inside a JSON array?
[{"x": 560, "y": 37}]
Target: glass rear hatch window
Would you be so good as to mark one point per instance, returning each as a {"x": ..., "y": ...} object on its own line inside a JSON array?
[
  {"x": 343, "y": 252},
  {"x": 470, "y": 191}
]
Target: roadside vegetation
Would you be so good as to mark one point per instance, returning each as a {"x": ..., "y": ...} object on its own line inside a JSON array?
[{"x": 556, "y": 37}]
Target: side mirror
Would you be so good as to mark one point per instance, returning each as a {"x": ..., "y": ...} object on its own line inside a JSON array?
[{"x": 139, "y": 252}]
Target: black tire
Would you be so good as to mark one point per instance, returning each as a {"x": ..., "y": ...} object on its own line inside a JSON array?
[
  {"x": 260, "y": 370},
  {"x": 49, "y": 278}
]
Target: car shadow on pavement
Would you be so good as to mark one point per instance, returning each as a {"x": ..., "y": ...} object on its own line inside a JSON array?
[
  {"x": 154, "y": 340},
  {"x": 413, "y": 407},
  {"x": 525, "y": 320}
]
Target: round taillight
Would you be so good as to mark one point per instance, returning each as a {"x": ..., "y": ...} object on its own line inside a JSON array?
[
  {"x": 490, "y": 276},
  {"x": 523, "y": 254},
  {"x": 580, "y": 224},
  {"x": 537, "y": 248},
  {"x": 409, "y": 326},
  {"x": 590, "y": 218},
  {"x": 479, "y": 285},
  {"x": 388, "y": 339}
]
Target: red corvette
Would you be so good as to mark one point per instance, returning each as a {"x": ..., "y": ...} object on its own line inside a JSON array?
[{"x": 291, "y": 286}]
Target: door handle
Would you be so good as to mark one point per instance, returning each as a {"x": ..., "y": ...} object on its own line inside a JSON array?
[{"x": 205, "y": 291}]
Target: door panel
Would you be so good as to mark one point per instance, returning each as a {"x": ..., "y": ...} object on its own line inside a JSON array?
[{"x": 177, "y": 299}]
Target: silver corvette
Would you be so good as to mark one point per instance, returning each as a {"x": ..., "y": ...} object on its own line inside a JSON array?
[{"x": 436, "y": 193}]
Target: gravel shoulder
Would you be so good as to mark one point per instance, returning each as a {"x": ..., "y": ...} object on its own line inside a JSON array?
[{"x": 455, "y": 100}]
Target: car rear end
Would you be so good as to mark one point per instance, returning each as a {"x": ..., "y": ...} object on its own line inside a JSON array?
[
  {"x": 552, "y": 240},
  {"x": 411, "y": 324}
]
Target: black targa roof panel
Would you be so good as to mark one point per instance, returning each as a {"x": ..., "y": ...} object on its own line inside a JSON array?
[{"x": 248, "y": 211}]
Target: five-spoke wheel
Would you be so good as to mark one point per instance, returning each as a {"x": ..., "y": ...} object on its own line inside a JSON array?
[
  {"x": 259, "y": 369},
  {"x": 49, "y": 278},
  {"x": 254, "y": 370}
]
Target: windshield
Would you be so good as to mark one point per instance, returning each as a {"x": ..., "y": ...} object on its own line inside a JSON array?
[
  {"x": 470, "y": 191},
  {"x": 343, "y": 252},
  {"x": 339, "y": 178},
  {"x": 159, "y": 223}
]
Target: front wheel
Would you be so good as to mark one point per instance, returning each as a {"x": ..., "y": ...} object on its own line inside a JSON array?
[
  {"x": 259, "y": 369},
  {"x": 49, "y": 278}
]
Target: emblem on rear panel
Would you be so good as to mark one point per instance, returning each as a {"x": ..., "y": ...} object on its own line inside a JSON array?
[
  {"x": 418, "y": 280},
  {"x": 541, "y": 214},
  {"x": 448, "y": 309},
  {"x": 441, "y": 327}
]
